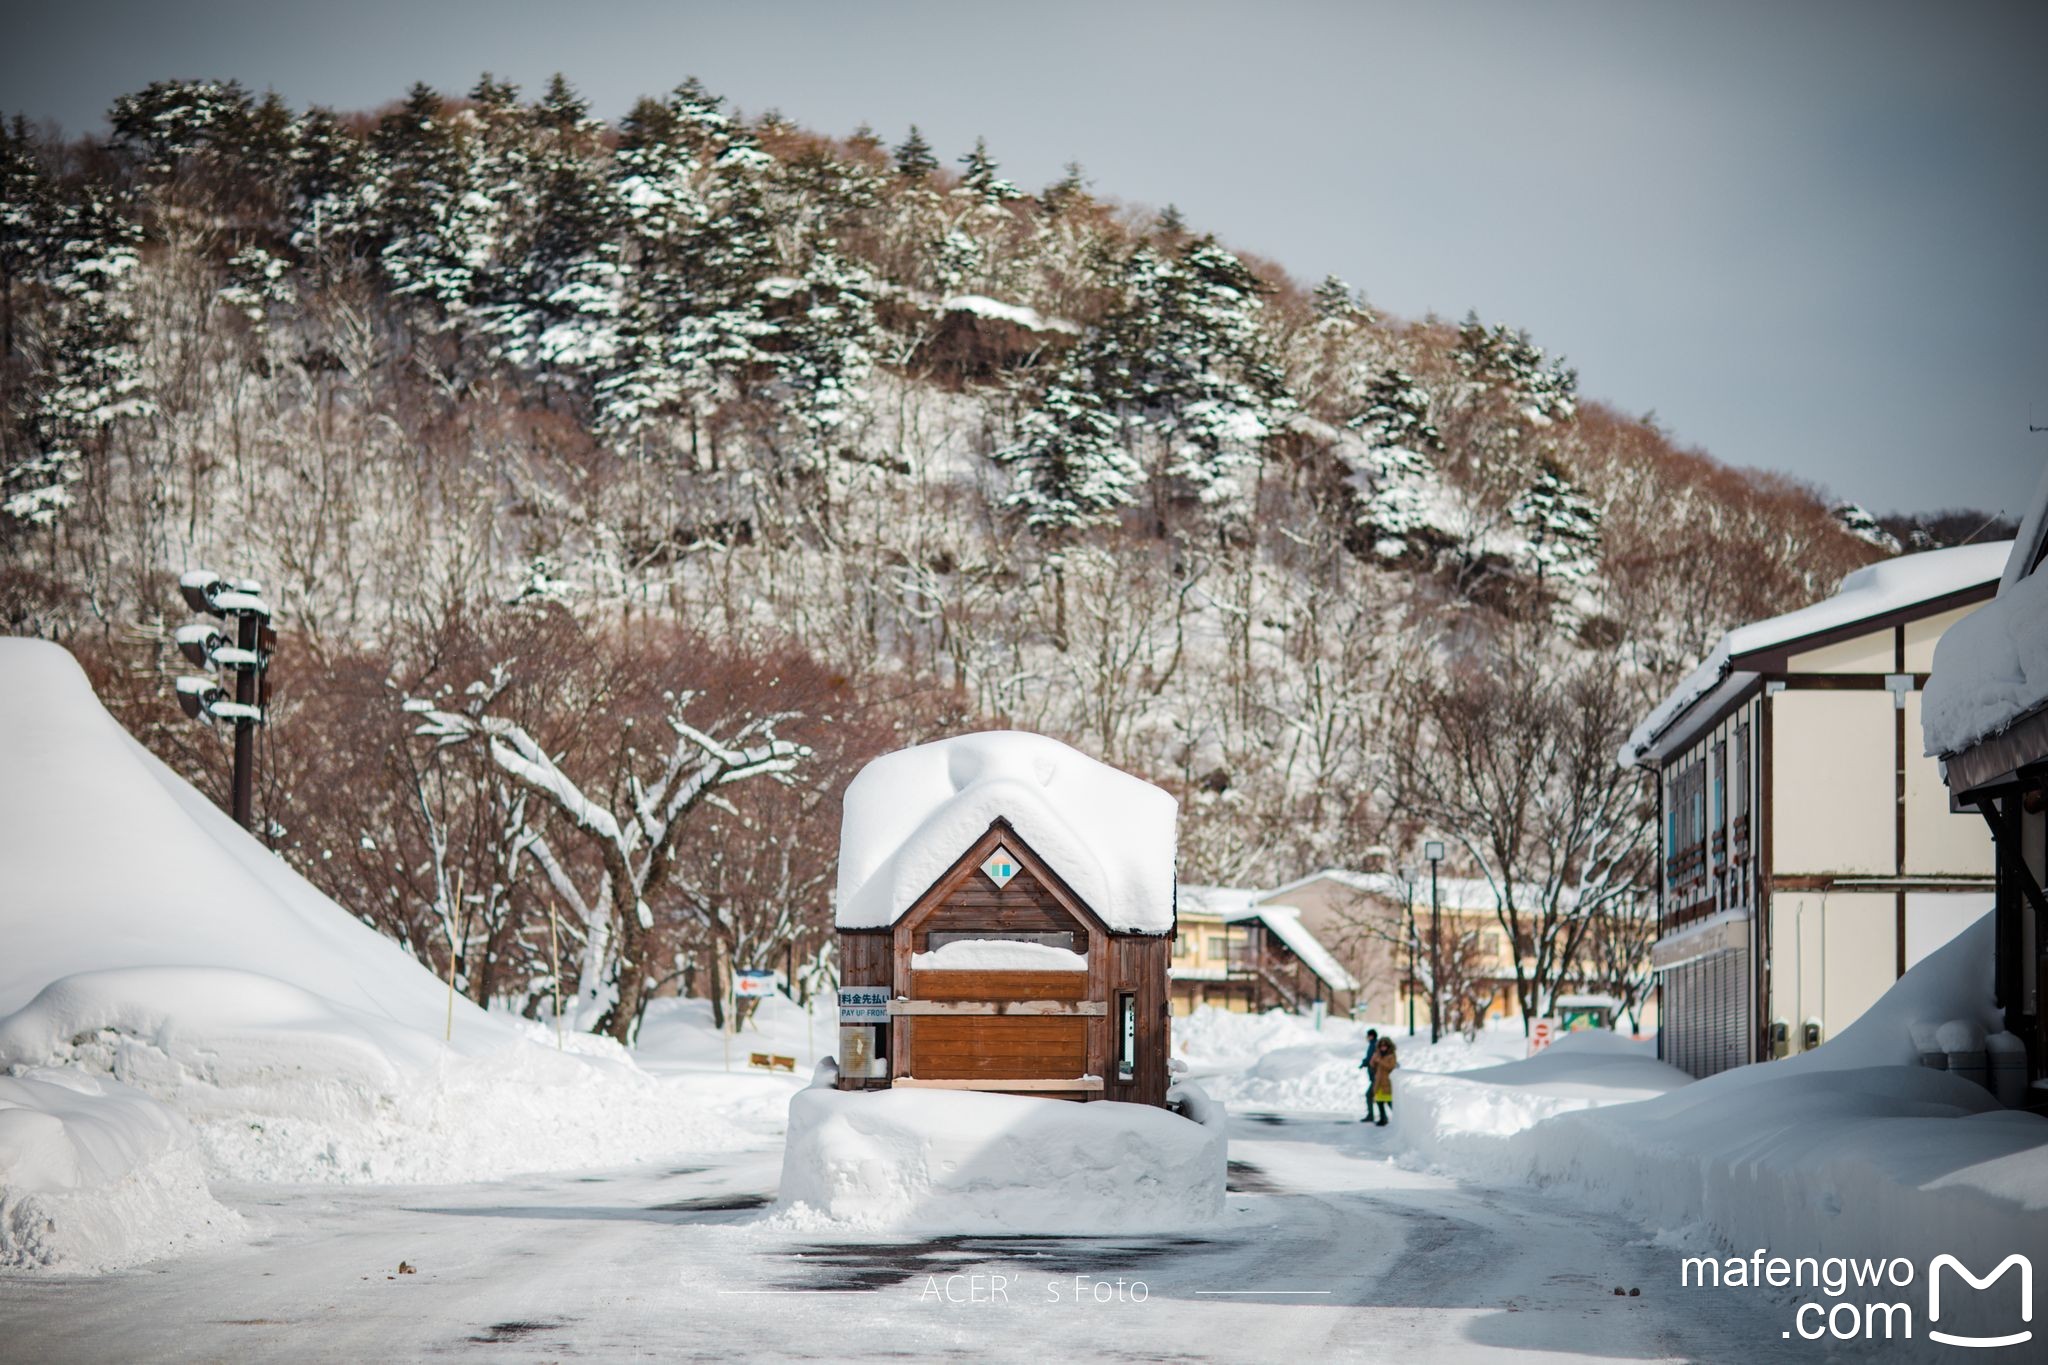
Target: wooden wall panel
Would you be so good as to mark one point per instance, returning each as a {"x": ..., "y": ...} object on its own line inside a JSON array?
[
  {"x": 1023, "y": 906},
  {"x": 1138, "y": 964},
  {"x": 865, "y": 958},
  {"x": 999, "y": 985},
  {"x": 950, "y": 1048}
]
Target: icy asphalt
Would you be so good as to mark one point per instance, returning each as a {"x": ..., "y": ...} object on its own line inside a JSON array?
[{"x": 1328, "y": 1251}]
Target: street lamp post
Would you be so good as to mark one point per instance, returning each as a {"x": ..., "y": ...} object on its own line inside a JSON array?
[
  {"x": 1408, "y": 882},
  {"x": 246, "y": 655},
  {"x": 1434, "y": 851}
]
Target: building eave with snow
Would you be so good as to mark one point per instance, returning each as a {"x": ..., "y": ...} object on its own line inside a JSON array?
[
  {"x": 1986, "y": 720},
  {"x": 1006, "y": 914},
  {"x": 1808, "y": 854}
]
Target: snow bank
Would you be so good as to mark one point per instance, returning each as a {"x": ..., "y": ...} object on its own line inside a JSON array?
[
  {"x": 1279, "y": 1063},
  {"x": 152, "y": 946},
  {"x": 962, "y": 1161},
  {"x": 911, "y": 814},
  {"x": 282, "y": 1086},
  {"x": 998, "y": 955},
  {"x": 95, "y": 1176},
  {"x": 1465, "y": 1118},
  {"x": 1852, "y": 1149},
  {"x": 1888, "y": 585}
]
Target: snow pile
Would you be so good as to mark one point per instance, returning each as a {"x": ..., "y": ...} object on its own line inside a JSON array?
[
  {"x": 1212, "y": 1039},
  {"x": 911, "y": 814},
  {"x": 1296, "y": 1069},
  {"x": 1888, "y": 585},
  {"x": 281, "y": 1085},
  {"x": 998, "y": 955},
  {"x": 95, "y": 1176},
  {"x": 1852, "y": 1149},
  {"x": 1990, "y": 669},
  {"x": 1464, "y": 1118},
  {"x": 151, "y": 941},
  {"x": 964, "y": 1161}
]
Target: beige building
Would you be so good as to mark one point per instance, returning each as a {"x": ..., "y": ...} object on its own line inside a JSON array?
[
  {"x": 1241, "y": 949},
  {"x": 1808, "y": 852}
]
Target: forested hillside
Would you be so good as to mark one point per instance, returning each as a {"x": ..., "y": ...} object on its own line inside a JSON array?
[{"x": 671, "y": 468}]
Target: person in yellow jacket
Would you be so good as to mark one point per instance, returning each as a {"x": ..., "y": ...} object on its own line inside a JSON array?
[{"x": 1382, "y": 1094}]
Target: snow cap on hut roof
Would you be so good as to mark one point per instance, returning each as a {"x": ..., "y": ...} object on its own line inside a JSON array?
[{"x": 911, "y": 814}]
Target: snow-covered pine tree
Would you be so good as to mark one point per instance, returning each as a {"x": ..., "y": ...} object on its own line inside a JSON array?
[
  {"x": 1210, "y": 371},
  {"x": 24, "y": 217},
  {"x": 698, "y": 246},
  {"x": 915, "y": 159},
  {"x": 1072, "y": 186},
  {"x": 428, "y": 222},
  {"x": 1400, "y": 480},
  {"x": 1858, "y": 522},
  {"x": 980, "y": 176},
  {"x": 1495, "y": 358},
  {"x": 1069, "y": 467},
  {"x": 825, "y": 353},
  {"x": 1394, "y": 413},
  {"x": 83, "y": 376},
  {"x": 555, "y": 293},
  {"x": 1334, "y": 301},
  {"x": 1562, "y": 527},
  {"x": 325, "y": 186}
]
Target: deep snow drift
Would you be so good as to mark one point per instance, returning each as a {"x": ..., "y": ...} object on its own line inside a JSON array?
[
  {"x": 963, "y": 1161},
  {"x": 1853, "y": 1149},
  {"x": 258, "y": 1030}
]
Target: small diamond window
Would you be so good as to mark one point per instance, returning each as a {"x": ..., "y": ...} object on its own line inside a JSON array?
[{"x": 1000, "y": 866}]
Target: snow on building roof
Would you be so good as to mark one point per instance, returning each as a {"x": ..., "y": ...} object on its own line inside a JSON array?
[
  {"x": 1452, "y": 893},
  {"x": 1991, "y": 668},
  {"x": 1285, "y": 923},
  {"x": 1225, "y": 902},
  {"x": 1873, "y": 590},
  {"x": 911, "y": 814}
]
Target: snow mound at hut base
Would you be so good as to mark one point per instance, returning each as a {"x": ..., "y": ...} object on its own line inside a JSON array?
[{"x": 964, "y": 1161}]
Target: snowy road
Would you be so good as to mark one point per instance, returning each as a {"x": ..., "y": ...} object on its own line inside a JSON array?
[{"x": 1330, "y": 1251}]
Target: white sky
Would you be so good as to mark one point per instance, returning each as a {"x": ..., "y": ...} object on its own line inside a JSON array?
[{"x": 1809, "y": 237}]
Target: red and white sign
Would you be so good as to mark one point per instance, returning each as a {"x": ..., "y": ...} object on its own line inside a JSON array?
[{"x": 1542, "y": 1032}]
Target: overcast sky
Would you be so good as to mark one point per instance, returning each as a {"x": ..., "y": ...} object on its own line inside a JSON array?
[{"x": 1810, "y": 237}]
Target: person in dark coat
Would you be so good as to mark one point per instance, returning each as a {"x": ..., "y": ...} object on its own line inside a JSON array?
[{"x": 1372, "y": 1044}]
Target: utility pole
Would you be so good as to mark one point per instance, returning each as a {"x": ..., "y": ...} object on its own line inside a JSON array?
[
  {"x": 1434, "y": 851},
  {"x": 246, "y": 656}
]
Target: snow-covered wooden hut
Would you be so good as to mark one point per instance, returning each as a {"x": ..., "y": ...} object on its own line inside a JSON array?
[{"x": 1005, "y": 916}]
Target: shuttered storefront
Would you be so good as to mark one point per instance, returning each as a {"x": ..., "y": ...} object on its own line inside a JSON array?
[{"x": 1706, "y": 1012}]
